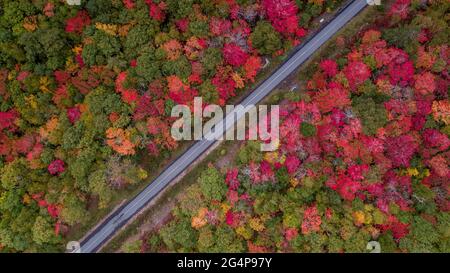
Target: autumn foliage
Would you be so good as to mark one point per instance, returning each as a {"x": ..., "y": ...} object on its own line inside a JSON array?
[
  {"x": 86, "y": 94},
  {"x": 363, "y": 155}
]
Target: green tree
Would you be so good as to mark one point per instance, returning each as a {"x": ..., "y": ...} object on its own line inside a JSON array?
[
  {"x": 191, "y": 201},
  {"x": 179, "y": 9},
  {"x": 74, "y": 210},
  {"x": 250, "y": 152},
  {"x": 208, "y": 92},
  {"x": 180, "y": 67},
  {"x": 373, "y": 115},
  {"x": 404, "y": 37},
  {"x": 138, "y": 37},
  {"x": 14, "y": 175},
  {"x": 103, "y": 48},
  {"x": 211, "y": 59},
  {"x": 149, "y": 67},
  {"x": 226, "y": 241},
  {"x": 212, "y": 184},
  {"x": 46, "y": 49},
  {"x": 307, "y": 129},
  {"x": 387, "y": 243},
  {"x": 205, "y": 240},
  {"x": 179, "y": 236},
  {"x": 199, "y": 28},
  {"x": 265, "y": 38},
  {"x": 423, "y": 237},
  {"x": 43, "y": 232},
  {"x": 98, "y": 185}
]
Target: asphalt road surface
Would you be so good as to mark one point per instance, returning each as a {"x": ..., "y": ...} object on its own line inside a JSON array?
[{"x": 119, "y": 218}]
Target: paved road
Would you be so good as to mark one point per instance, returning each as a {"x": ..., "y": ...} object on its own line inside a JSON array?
[{"x": 107, "y": 229}]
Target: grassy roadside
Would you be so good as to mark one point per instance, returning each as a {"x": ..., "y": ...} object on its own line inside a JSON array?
[{"x": 328, "y": 50}]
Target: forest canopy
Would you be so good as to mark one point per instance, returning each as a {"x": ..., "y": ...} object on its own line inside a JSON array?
[
  {"x": 363, "y": 154},
  {"x": 86, "y": 90}
]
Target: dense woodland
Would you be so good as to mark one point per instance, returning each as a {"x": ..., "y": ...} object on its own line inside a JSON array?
[
  {"x": 86, "y": 89},
  {"x": 363, "y": 155}
]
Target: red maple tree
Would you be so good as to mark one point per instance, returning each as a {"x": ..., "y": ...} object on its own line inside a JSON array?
[
  {"x": 129, "y": 4},
  {"x": 400, "y": 8},
  {"x": 311, "y": 220},
  {"x": 283, "y": 16},
  {"x": 292, "y": 163},
  {"x": 7, "y": 119},
  {"x": 73, "y": 114},
  {"x": 329, "y": 67},
  {"x": 76, "y": 24},
  {"x": 56, "y": 167},
  {"x": 219, "y": 26},
  {"x": 401, "y": 149},
  {"x": 156, "y": 10},
  {"x": 234, "y": 55},
  {"x": 356, "y": 73}
]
